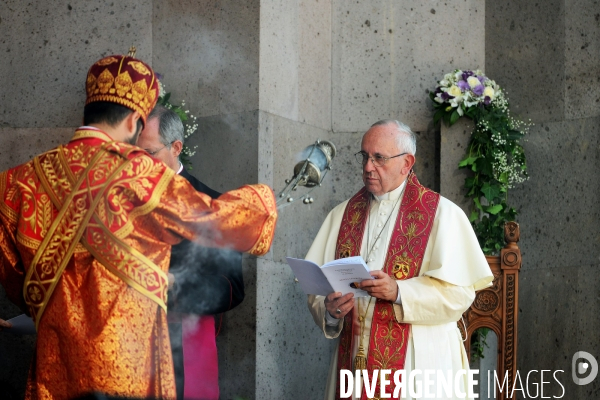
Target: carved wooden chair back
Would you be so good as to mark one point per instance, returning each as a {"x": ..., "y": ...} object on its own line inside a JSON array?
[{"x": 497, "y": 307}]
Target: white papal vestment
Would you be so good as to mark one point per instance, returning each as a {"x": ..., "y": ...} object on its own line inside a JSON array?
[{"x": 453, "y": 268}]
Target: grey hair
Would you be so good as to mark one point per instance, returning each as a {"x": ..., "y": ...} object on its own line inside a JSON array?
[
  {"x": 170, "y": 126},
  {"x": 406, "y": 140}
]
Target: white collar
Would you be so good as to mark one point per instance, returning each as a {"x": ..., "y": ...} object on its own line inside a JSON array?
[
  {"x": 391, "y": 195},
  {"x": 180, "y": 168},
  {"x": 89, "y": 128}
]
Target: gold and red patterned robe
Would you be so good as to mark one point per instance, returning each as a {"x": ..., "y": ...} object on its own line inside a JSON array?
[{"x": 101, "y": 321}]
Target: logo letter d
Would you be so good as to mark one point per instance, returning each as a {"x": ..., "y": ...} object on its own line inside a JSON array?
[{"x": 582, "y": 367}]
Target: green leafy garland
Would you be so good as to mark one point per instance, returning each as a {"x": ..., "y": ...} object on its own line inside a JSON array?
[
  {"x": 494, "y": 155},
  {"x": 190, "y": 125},
  {"x": 479, "y": 343}
]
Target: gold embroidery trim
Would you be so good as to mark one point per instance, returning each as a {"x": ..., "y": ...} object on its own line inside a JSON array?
[
  {"x": 76, "y": 222},
  {"x": 76, "y": 227},
  {"x": 84, "y": 133},
  {"x": 64, "y": 165},
  {"x": 138, "y": 258},
  {"x": 149, "y": 206},
  {"x": 129, "y": 254},
  {"x": 265, "y": 237},
  {"x": 4, "y": 208},
  {"x": 35, "y": 244}
]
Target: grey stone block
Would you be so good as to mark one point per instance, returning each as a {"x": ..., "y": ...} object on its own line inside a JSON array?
[
  {"x": 292, "y": 353},
  {"x": 453, "y": 148},
  {"x": 557, "y": 206},
  {"x": 227, "y": 153},
  {"x": 188, "y": 52},
  {"x": 582, "y": 69},
  {"x": 18, "y": 146},
  {"x": 240, "y": 30},
  {"x": 208, "y": 52},
  {"x": 314, "y": 63},
  {"x": 525, "y": 50},
  {"x": 47, "y": 48},
  {"x": 388, "y": 55},
  {"x": 295, "y": 66},
  {"x": 548, "y": 327},
  {"x": 428, "y": 157},
  {"x": 348, "y": 173},
  {"x": 279, "y": 59}
]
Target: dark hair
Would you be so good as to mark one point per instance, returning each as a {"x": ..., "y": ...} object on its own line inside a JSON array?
[{"x": 107, "y": 113}]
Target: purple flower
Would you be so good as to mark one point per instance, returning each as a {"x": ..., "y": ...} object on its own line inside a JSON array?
[
  {"x": 159, "y": 76},
  {"x": 481, "y": 78},
  {"x": 467, "y": 74},
  {"x": 487, "y": 100},
  {"x": 463, "y": 85},
  {"x": 478, "y": 90},
  {"x": 445, "y": 96}
]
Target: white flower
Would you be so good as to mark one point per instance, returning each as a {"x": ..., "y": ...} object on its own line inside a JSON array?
[
  {"x": 473, "y": 82},
  {"x": 455, "y": 102},
  {"x": 489, "y": 92},
  {"x": 471, "y": 102},
  {"x": 454, "y": 91}
]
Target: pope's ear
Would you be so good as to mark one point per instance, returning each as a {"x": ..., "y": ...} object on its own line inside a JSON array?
[{"x": 409, "y": 161}]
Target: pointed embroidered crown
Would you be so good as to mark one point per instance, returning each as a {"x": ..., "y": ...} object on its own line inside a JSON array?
[{"x": 123, "y": 80}]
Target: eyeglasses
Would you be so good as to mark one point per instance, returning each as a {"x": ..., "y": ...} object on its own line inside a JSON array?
[
  {"x": 156, "y": 151},
  {"x": 378, "y": 159}
]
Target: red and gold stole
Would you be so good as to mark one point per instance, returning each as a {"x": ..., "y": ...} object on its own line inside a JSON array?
[
  {"x": 388, "y": 339},
  {"x": 97, "y": 187}
]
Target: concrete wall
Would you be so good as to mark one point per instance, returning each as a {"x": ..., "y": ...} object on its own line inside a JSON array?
[
  {"x": 547, "y": 56},
  {"x": 295, "y": 110}
]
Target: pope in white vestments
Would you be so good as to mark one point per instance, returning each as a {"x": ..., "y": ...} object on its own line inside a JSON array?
[{"x": 430, "y": 302}]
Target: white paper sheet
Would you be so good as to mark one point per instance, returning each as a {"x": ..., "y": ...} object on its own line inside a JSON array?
[
  {"x": 335, "y": 276},
  {"x": 21, "y": 325}
]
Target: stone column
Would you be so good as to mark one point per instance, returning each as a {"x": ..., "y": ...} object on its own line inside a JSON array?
[
  {"x": 258, "y": 74},
  {"x": 454, "y": 142}
]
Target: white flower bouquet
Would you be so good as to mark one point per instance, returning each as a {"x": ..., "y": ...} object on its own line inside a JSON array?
[
  {"x": 461, "y": 92},
  {"x": 494, "y": 155}
]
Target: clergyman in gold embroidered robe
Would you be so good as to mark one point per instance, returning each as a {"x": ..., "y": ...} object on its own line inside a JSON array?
[{"x": 104, "y": 328}]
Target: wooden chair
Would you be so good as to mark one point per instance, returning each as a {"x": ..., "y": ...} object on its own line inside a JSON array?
[{"x": 497, "y": 307}]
